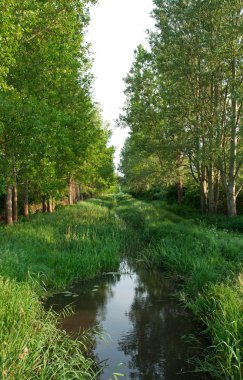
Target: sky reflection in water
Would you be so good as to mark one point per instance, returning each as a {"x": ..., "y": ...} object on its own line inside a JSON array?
[{"x": 141, "y": 320}]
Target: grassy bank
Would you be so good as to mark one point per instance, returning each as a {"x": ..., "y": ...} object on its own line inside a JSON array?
[
  {"x": 32, "y": 347},
  {"x": 87, "y": 239},
  {"x": 207, "y": 263},
  {"x": 74, "y": 242},
  {"x": 50, "y": 251}
]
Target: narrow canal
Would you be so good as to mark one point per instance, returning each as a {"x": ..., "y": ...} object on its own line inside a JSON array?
[{"x": 146, "y": 329}]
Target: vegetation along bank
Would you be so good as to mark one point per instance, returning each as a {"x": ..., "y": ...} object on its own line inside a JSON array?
[
  {"x": 50, "y": 252},
  {"x": 85, "y": 240},
  {"x": 206, "y": 261}
]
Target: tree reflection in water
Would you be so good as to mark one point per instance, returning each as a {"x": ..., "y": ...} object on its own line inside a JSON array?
[
  {"x": 144, "y": 321},
  {"x": 88, "y": 300},
  {"x": 154, "y": 346}
]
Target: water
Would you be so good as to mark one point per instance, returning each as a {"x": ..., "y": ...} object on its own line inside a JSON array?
[{"x": 141, "y": 320}]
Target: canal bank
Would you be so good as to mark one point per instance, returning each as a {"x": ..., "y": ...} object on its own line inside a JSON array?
[{"x": 50, "y": 252}]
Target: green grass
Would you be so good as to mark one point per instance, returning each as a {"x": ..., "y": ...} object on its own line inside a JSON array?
[
  {"x": 85, "y": 240},
  {"x": 32, "y": 347},
  {"x": 207, "y": 263},
  {"x": 220, "y": 307},
  {"x": 219, "y": 221},
  {"x": 76, "y": 242}
]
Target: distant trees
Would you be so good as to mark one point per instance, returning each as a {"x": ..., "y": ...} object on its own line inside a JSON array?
[
  {"x": 49, "y": 125},
  {"x": 184, "y": 98}
]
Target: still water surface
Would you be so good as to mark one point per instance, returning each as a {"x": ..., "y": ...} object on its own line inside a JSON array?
[{"x": 141, "y": 320}]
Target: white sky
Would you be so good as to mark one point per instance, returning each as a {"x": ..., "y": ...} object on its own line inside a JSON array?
[{"x": 117, "y": 27}]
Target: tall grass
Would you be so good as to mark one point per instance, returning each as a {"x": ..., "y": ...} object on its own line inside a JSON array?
[
  {"x": 207, "y": 262},
  {"x": 88, "y": 239},
  {"x": 55, "y": 249},
  {"x": 220, "y": 307},
  {"x": 32, "y": 346},
  {"x": 75, "y": 242}
]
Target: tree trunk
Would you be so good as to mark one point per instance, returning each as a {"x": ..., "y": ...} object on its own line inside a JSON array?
[
  {"x": 211, "y": 204},
  {"x": 70, "y": 190},
  {"x": 78, "y": 193},
  {"x": 231, "y": 200},
  {"x": 231, "y": 196},
  {"x": 74, "y": 191},
  {"x": 49, "y": 205},
  {"x": 44, "y": 206},
  {"x": 180, "y": 190},
  {"x": 15, "y": 203},
  {"x": 53, "y": 204},
  {"x": 216, "y": 190},
  {"x": 26, "y": 201},
  {"x": 204, "y": 192},
  {"x": 9, "y": 210}
]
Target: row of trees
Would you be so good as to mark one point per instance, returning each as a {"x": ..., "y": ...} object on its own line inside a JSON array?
[
  {"x": 52, "y": 137},
  {"x": 184, "y": 102}
]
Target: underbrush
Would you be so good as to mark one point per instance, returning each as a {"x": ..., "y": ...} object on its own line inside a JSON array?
[
  {"x": 207, "y": 263},
  {"x": 219, "y": 221}
]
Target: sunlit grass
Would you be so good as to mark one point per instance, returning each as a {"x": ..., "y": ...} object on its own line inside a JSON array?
[{"x": 74, "y": 243}]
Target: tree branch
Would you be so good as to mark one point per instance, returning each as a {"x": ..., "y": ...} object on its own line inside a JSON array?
[{"x": 239, "y": 190}]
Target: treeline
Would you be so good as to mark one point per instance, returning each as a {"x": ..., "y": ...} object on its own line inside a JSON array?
[
  {"x": 184, "y": 103},
  {"x": 52, "y": 138}
]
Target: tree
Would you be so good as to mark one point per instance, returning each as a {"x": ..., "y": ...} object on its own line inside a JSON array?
[
  {"x": 187, "y": 93},
  {"x": 47, "y": 115}
]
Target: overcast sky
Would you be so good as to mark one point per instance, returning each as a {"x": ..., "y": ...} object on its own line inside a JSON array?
[{"x": 117, "y": 27}]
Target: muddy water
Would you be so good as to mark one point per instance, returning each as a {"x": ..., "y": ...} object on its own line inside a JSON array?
[{"x": 142, "y": 322}]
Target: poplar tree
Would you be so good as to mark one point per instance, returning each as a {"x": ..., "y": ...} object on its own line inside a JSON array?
[
  {"x": 195, "y": 70},
  {"x": 47, "y": 115}
]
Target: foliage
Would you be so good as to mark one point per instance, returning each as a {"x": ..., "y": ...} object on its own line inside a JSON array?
[{"x": 51, "y": 130}]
